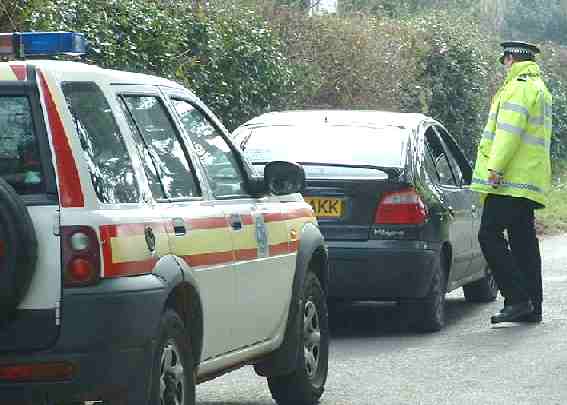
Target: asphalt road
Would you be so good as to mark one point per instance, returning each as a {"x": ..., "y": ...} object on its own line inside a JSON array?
[{"x": 376, "y": 360}]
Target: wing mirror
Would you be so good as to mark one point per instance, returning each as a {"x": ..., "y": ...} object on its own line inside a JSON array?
[{"x": 280, "y": 178}]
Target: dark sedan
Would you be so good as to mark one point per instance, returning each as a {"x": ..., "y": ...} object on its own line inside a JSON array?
[{"x": 390, "y": 193}]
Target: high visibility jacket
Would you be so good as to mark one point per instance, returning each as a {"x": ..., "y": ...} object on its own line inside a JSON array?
[{"x": 517, "y": 138}]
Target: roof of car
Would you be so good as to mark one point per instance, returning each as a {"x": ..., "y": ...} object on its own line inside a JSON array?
[
  {"x": 339, "y": 117},
  {"x": 63, "y": 68}
]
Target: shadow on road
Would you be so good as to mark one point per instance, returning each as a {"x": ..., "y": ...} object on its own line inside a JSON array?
[{"x": 371, "y": 319}]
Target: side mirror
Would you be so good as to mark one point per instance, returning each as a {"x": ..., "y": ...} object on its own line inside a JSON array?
[{"x": 284, "y": 177}]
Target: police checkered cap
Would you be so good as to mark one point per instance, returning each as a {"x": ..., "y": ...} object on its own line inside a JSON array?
[{"x": 518, "y": 48}]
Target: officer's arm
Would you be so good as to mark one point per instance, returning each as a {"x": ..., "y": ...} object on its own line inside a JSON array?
[{"x": 511, "y": 123}]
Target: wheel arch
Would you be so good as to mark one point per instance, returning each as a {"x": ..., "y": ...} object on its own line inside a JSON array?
[{"x": 183, "y": 296}]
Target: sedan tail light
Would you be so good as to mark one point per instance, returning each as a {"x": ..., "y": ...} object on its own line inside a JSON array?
[
  {"x": 403, "y": 207},
  {"x": 80, "y": 256}
]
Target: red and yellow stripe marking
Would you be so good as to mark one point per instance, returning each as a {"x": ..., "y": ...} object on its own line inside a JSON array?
[
  {"x": 70, "y": 192},
  {"x": 125, "y": 251},
  {"x": 13, "y": 72}
]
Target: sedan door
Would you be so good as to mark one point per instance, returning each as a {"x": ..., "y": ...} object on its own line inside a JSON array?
[
  {"x": 456, "y": 202},
  {"x": 463, "y": 173}
]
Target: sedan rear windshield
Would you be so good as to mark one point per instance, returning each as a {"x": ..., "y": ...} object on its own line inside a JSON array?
[
  {"x": 327, "y": 144},
  {"x": 20, "y": 163}
]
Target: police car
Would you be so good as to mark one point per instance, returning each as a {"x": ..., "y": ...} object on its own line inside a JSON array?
[{"x": 140, "y": 254}]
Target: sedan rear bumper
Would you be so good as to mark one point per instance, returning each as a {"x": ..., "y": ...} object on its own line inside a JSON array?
[{"x": 381, "y": 270}]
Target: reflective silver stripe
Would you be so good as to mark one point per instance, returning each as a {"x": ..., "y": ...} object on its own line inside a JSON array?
[
  {"x": 492, "y": 116},
  {"x": 516, "y": 108},
  {"x": 507, "y": 184},
  {"x": 540, "y": 121},
  {"x": 510, "y": 128},
  {"x": 537, "y": 121},
  {"x": 526, "y": 138}
]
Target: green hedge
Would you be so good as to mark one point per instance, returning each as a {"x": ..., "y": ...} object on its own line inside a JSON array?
[
  {"x": 228, "y": 56},
  {"x": 247, "y": 57}
]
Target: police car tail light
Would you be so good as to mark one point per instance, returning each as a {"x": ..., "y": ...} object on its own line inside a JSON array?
[
  {"x": 80, "y": 256},
  {"x": 403, "y": 207},
  {"x": 26, "y": 44}
]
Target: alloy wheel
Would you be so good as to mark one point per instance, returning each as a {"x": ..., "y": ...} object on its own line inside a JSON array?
[
  {"x": 311, "y": 338},
  {"x": 172, "y": 378}
]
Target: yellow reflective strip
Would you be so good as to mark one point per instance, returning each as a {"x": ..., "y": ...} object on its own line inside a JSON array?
[
  {"x": 202, "y": 241},
  {"x": 245, "y": 238},
  {"x": 277, "y": 233},
  {"x": 134, "y": 248},
  {"x": 6, "y": 73}
]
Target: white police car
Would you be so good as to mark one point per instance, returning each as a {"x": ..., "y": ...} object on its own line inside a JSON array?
[{"x": 138, "y": 253}]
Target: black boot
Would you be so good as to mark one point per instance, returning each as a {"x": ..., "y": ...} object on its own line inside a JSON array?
[
  {"x": 512, "y": 312},
  {"x": 534, "y": 317}
]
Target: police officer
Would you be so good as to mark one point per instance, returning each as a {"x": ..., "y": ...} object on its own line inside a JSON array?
[{"x": 513, "y": 175}]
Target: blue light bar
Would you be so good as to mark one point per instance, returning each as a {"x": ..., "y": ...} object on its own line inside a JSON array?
[{"x": 26, "y": 44}]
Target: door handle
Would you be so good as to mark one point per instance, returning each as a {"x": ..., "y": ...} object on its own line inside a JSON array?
[
  {"x": 150, "y": 238},
  {"x": 179, "y": 227},
  {"x": 236, "y": 222}
]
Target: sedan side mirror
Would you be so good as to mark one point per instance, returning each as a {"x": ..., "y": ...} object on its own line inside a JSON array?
[{"x": 282, "y": 177}]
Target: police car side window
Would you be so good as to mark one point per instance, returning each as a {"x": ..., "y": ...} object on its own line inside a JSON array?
[
  {"x": 167, "y": 153},
  {"x": 19, "y": 150},
  {"x": 106, "y": 155},
  {"x": 221, "y": 166},
  {"x": 150, "y": 166}
]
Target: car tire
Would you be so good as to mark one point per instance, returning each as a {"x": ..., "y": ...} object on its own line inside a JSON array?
[
  {"x": 19, "y": 250},
  {"x": 483, "y": 290},
  {"x": 428, "y": 314},
  {"x": 305, "y": 385},
  {"x": 173, "y": 377}
]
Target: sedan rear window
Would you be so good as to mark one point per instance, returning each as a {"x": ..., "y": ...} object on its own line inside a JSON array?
[
  {"x": 20, "y": 163},
  {"x": 328, "y": 144}
]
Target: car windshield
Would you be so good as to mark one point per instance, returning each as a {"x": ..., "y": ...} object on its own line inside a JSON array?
[{"x": 326, "y": 144}]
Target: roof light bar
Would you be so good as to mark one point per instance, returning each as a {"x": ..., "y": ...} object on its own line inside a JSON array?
[{"x": 26, "y": 44}]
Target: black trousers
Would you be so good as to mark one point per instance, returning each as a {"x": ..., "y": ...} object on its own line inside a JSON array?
[{"x": 516, "y": 262}]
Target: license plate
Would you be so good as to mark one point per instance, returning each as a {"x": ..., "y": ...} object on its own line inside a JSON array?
[{"x": 326, "y": 207}]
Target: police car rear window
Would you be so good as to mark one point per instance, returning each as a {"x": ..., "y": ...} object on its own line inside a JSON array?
[{"x": 19, "y": 151}]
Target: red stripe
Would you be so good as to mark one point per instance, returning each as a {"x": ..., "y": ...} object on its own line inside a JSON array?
[
  {"x": 293, "y": 246},
  {"x": 247, "y": 219},
  {"x": 70, "y": 191},
  {"x": 300, "y": 213},
  {"x": 208, "y": 259},
  {"x": 207, "y": 223},
  {"x": 279, "y": 249},
  {"x": 20, "y": 71},
  {"x": 107, "y": 232},
  {"x": 130, "y": 268},
  {"x": 246, "y": 254},
  {"x": 274, "y": 217}
]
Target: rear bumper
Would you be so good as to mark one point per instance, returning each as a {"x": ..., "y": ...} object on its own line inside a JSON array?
[
  {"x": 107, "y": 333},
  {"x": 382, "y": 270}
]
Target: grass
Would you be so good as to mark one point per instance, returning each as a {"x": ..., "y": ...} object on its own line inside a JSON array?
[{"x": 553, "y": 219}]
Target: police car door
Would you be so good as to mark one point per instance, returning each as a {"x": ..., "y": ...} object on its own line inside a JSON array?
[
  {"x": 197, "y": 230},
  {"x": 259, "y": 232}
]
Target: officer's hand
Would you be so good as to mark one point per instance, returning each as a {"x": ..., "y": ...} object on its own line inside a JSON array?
[{"x": 494, "y": 178}]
